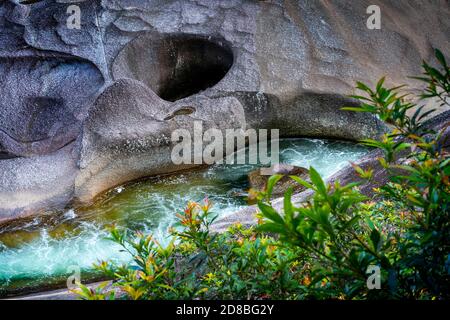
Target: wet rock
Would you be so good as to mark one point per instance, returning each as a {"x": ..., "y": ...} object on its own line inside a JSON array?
[{"x": 288, "y": 65}]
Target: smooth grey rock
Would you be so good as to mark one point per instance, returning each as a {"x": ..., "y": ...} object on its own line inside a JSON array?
[
  {"x": 293, "y": 63},
  {"x": 29, "y": 185},
  {"x": 128, "y": 134},
  {"x": 44, "y": 100}
]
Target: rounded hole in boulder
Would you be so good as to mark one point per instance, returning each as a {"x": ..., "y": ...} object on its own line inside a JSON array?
[
  {"x": 187, "y": 110},
  {"x": 174, "y": 67}
]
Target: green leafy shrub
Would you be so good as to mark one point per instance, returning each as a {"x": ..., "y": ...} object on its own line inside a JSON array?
[
  {"x": 237, "y": 264},
  {"x": 327, "y": 246}
]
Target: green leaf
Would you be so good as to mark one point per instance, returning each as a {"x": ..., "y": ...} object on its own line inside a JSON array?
[
  {"x": 288, "y": 208},
  {"x": 270, "y": 213},
  {"x": 375, "y": 238},
  {"x": 435, "y": 73},
  {"x": 351, "y": 222},
  {"x": 316, "y": 179},
  {"x": 444, "y": 164},
  {"x": 302, "y": 182},
  {"x": 357, "y": 97},
  {"x": 271, "y": 227},
  {"x": 380, "y": 84},
  {"x": 369, "y": 223},
  {"x": 323, "y": 216},
  {"x": 401, "y": 146},
  {"x": 440, "y": 58},
  {"x": 271, "y": 183},
  {"x": 421, "y": 79},
  {"x": 167, "y": 287},
  {"x": 415, "y": 200},
  {"x": 355, "y": 109},
  {"x": 426, "y": 114},
  {"x": 363, "y": 87},
  {"x": 350, "y": 186}
]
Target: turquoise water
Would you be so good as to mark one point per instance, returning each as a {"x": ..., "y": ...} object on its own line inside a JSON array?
[{"x": 41, "y": 252}]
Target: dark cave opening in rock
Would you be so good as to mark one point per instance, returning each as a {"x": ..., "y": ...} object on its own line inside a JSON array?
[
  {"x": 192, "y": 66},
  {"x": 175, "y": 67}
]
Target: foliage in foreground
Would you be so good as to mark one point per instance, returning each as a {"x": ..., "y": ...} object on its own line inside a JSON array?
[{"x": 324, "y": 248}]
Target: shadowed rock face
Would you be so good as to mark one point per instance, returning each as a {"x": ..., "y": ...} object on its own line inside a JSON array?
[
  {"x": 102, "y": 101},
  {"x": 175, "y": 67},
  {"x": 44, "y": 101}
]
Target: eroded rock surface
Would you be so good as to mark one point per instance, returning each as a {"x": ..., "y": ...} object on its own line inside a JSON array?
[
  {"x": 113, "y": 91},
  {"x": 128, "y": 134},
  {"x": 44, "y": 101}
]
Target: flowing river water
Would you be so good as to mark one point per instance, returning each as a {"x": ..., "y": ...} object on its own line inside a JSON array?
[{"x": 41, "y": 253}]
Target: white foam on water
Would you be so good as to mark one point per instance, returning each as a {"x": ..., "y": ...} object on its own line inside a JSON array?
[{"x": 151, "y": 206}]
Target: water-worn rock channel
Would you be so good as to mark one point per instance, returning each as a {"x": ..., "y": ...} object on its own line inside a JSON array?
[{"x": 42, "y": 252}]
